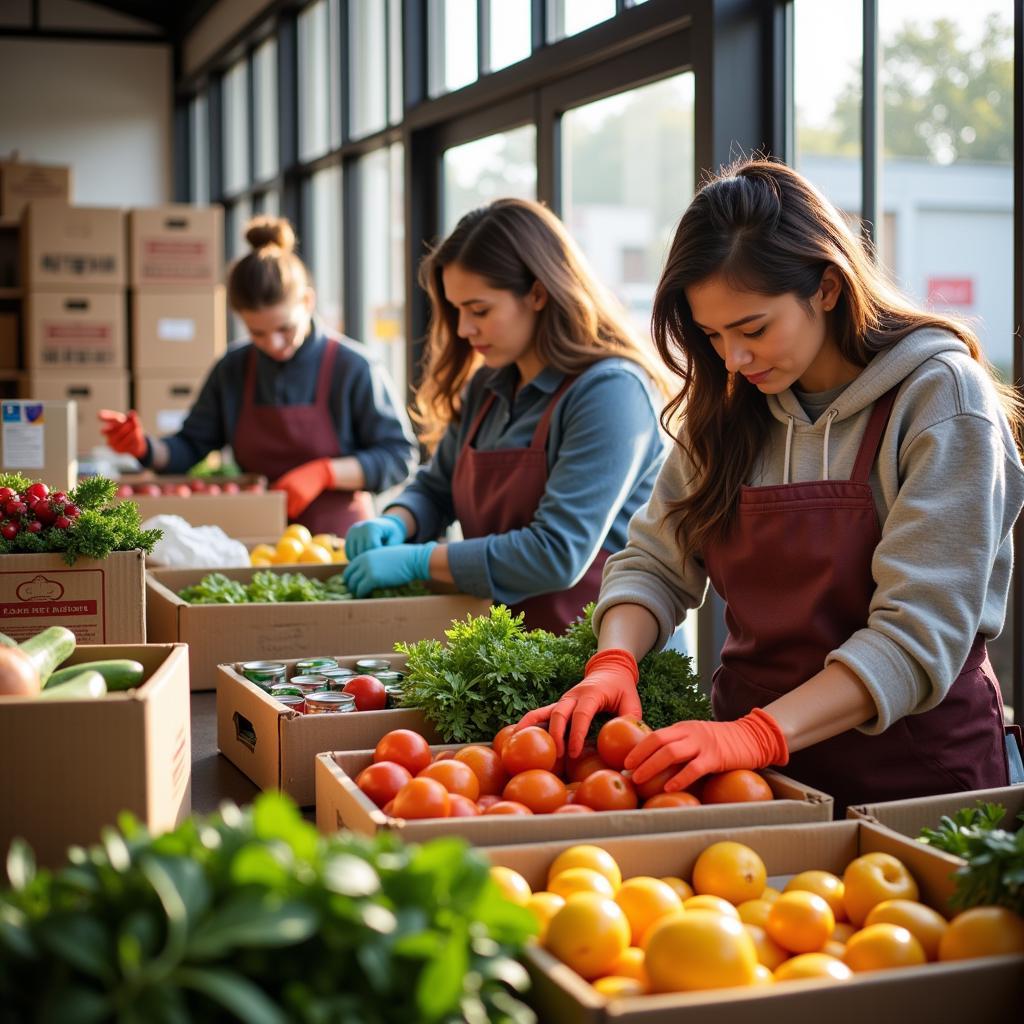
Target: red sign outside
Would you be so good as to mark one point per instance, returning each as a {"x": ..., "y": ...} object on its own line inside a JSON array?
[{"x": 951, "y": 291}]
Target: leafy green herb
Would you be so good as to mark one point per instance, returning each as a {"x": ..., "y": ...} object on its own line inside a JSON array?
[
  {"x": 253, "y": 916},
  {"x": 952, "y": 834},
  {"x": 994, "y": 872},
  {"x": 492, "y": 670},
  {"x": 276, "y": 588}
]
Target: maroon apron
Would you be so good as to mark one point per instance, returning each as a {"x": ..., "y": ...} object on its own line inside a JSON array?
[
  {"x": 498, "y": 491},
  {"x": 273, "y": 439},
  {"x": 795, "y": 575}
]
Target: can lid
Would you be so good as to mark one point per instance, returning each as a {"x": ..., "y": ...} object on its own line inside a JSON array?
[
  {"x": 263, "y": 666},
  {"x": 371, "y": 664},
  {"x": 331, "y": 698}
]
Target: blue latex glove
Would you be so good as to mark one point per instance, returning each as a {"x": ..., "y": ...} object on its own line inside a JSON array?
[
  {"x": 382, "y": 532},
  {"x": 388, "y": 567}
]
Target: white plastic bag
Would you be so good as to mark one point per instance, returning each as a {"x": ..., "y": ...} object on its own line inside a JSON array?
[{"x": 184, "y": 546}]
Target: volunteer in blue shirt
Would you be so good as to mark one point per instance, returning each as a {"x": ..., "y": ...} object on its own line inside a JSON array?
[
  {"x": 543, "y": 407},
  {"x": 311, "y": 411}
]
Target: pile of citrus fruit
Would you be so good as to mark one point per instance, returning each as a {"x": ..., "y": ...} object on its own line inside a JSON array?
[
  {"x": 727, "y": 928},
  {"x": 298, "y": 546},
  {"x": 520, "y": 773}
]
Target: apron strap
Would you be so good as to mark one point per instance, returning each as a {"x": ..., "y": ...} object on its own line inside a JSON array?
[
  {"x": 326, "y": 372},
  {"x": 474, "y": 427},
  {"x": 249, "y": 387},
  {"x": 872, "y": 439},
  {"x": 540, "y": 435}
]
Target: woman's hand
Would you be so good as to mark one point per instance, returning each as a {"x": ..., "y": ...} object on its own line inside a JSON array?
[
  {"x": 388, "y": 567},
  {"x": 384, "y": 531},
  {"x": 609, "y": 684},
  {"x": 305, "y": 484},
  {"x": 700, "y": 748}
]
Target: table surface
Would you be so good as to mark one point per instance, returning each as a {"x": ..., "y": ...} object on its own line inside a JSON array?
[{"x": 214, "y": 777}]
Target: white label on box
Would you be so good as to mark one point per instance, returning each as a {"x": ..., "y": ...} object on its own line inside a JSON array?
[
  {"x": 169, "y": 421},
  {"x": 170, "y": 328},
  {"x": 24, "y": 436}
]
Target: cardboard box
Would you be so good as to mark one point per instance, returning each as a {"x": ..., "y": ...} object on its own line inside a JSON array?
[
  {"x": 75, "y": 331},
  {"x": 341, "y": 804},
  {"x": 163, "y": 402},
  {"x": 9, "y": 357},
  {"x": 67, "y": 248},
  {"x": 71, "y": 766},
  {"x": 979, "y": 990},
  {"x": 219, "y": 634},
  {"x": 40, "y": 440},
  {"x": 90, "y": 393},
  {"x": 21, "y": 184},
  {"x": 175, "y": 330},
  {"x": 177, "y": 245},
  {"x": 277, "y": 748},
  {"x": 102, "y": 601}
]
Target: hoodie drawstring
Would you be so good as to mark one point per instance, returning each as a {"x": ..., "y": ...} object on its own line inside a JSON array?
[
  {"x": 830, "y": 416},
  {"x": 789, "y": 449}
]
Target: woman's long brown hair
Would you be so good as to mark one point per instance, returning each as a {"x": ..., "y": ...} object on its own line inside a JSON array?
[
  {"x": 513, "y": 243},
  {"x": 767, "y": 230}
]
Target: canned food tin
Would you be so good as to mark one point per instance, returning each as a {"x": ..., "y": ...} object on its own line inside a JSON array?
[
  {"x": 394, "y": 694},
  {"x": 292, "y": 701},
  {"x": 373, "y": 665},
  {"x": 309, "y": 683},
  {"x": 264, "y": 673},
  {"x": 390, "y": 678},
  {"x": 332, "y": 674},
  {"x": 329, "y": 702},
  {"x": 284, "y": 689},
  {"x": 310, "y": 666}
]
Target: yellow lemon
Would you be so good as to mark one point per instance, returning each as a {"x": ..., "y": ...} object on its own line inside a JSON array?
[
  {"x": 512, "y": 884},
  {"x": 315, "y": 553},
  {"x": 262, "y": 551},
  {"x": 299, "y": 532},
  {"x": 288, "y": 550}
]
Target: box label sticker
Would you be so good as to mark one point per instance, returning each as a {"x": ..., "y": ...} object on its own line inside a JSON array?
[
  {"x": 31, "y": 601},
  {"x": 170, "y": 328},
  {"x": 24, "y": 438}
]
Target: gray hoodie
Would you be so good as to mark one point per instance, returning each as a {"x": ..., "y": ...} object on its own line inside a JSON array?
[{"x": 948, "y": 486}]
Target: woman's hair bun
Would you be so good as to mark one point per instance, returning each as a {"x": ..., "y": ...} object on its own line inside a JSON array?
[{"x": 264, "y": 231}]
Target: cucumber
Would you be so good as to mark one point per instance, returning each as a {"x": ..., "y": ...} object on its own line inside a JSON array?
[
  {"x": 49, "y": 649},
  {"x": 6, "y": 641},
  {"x": 118, "y": 673},
  {"x": 80, "y": 687}
]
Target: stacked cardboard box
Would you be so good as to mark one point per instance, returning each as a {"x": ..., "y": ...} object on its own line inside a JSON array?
[
  {"x": 74, "y": 273},
  {"x": 178, "y": 316}
]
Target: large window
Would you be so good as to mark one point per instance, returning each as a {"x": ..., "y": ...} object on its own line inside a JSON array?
[
  {"x": 322, "y": 248},
  {"x": 510, "y": 32},
  {"x": 199, "y": 151},
  {"x": 567, "y": 17},
  {"x": 235, "y": 149},
  {"x": 314, "y": 75},
  {"x": 264, "y": 87},
  {"x": 369, "y": 73},
  {"x": 453, "y": 44}
]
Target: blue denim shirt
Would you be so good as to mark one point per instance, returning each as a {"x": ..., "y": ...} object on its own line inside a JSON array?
[
  {"x": 371, "y": 423},
  {"x": 605, "y": 447}
]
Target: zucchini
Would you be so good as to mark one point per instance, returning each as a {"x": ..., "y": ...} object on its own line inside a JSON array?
[
  {"x": 6, "y": 641},
  {"x": 83, "y": 686},
  {"x": 118, "y": 673},
  {"x": 49, "y": 649}
]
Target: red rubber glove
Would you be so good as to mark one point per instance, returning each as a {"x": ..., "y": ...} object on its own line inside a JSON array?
[
  {"x": 123, "y": 433},
  {"x": 305, "y": 484},
  {"x": 700, "y": 748},
  {"x": 608, "y": 684}
]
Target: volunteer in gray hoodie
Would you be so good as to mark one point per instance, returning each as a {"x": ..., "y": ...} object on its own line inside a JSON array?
[{"x": 848, "y": 479}]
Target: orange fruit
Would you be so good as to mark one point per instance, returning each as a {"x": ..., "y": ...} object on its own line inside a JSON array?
[
  {"x": 573, "y": 880},
  {"x": 926, "y": 925},
  {"x": 735, "y": 787},
  {"x": 754, "y": 912},
  {"x": 762, "y": 976},
  {"x": 813, "y": 965},
  {"x": 544, "y": 906},
  {"x": 800, "y": 922},
  {"x": 729, "y": 870},
  {"x": 769, "y": 952},
  {"x": 316, "y": 554},
  {"x": 842, "y": 932},
  {"x": 823, "y": 884},
  {"x": 771, "y": 894},
  {"x": 259, "y": 562},
  {"x": 982, "y": 931},
  {"x": 699, "y": 950},
  {"x": 614, "y": 986},
  {"x": 631, "y": 965},
  {"x": 682, "y": 889},
  {"x": 298, "y": 532},
  {"x": 644, "y": 900},
  {"x": 512, "y": 884},
  {"x": 832, "y": 948},
  {"x": 588, "y": 934},
  {"x": 262, "y": 551},
  {"x": 587, "y": 856},
  {"x": 873, "y": 878},
  {"x": 882, "y": 945},
  {"x": 288, "y": 549},
  {"x": 705, "y": 901}
]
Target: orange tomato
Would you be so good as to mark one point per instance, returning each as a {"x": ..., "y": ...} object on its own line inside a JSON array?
[
  {"x": 872, "y": 878},
  {"x": 501, "y": 737},
  {"x": 512, "y": 884},
  {"x": 404, "y": 747},
  {"x": 699, "y": 950},
  {"x": 422, "y": 798},
  {"x": 586, "y": 855},
  {"x": 769, "y": 952},
  {"x": 444, "y": 755},
  {"x": 823, "y": 884},
  {"x": 813, "y": 965},
  {"x": 645, "y": 900},
  {"x": 541, "y": 791},
  {"x": 578, "y": 769},
  {"x": 982, "y": 931},
  {"x": 588, "y": 934},
  {"x": 801, "y": 922},
  {"x": 488, "y": 800},
  {"x": 736, "y": 787},
  {"x": 617, "y": 737},
  {"x": 531, "y": 747},
  {"x": 462, "y": 807},
  {"x": 730, "y": 870},
  {"x": 455, "y": 776},
  {"x": 607, "y": 790},
  {"x": 882, "y": 945},
  {"x": 382, "y": 780},
  {"x": 486, "y": 765},
  {"x": 574, "y": 880},
  {"x": 678, "y": 799},
  {"x": 507, "y": 807},
  {"x": 573, "y": 809},
  {"x": 926, "y": 925},
  {"x": 655, "y": 785}
]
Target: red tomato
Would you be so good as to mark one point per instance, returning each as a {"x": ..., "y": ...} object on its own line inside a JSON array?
[
  {"x": 486, "y": 765},
  {"x": 573, "y": 809},
  {"x": 501, "y": 738},
  {"x": 607, "y": 790},
  {"x": 444, "y": 755},
  {"x": 531, "y": 747},
  {"x": 537, "y": 789},
  {"x": 488, "y": 800},
  {"x": 455, "y": 776},
  {"x": 404, "y": 747},
  {"x": 586, "y": 766},
  {"x": 680, "y": 799},
  {"x": 508, "y": 807},
  {"x": 461, "y": 807},
  {"x": 389, "y": 808},
  {"x": 369, "y": 693},
  {"x": 618, "y": 737},
  {"x": 381, "y": 781},
  {"x": 422, "y": 798},
  {"x": 656, "y": 783}
]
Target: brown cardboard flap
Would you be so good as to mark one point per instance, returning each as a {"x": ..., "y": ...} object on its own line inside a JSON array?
[{"x": 910, "y": 816}]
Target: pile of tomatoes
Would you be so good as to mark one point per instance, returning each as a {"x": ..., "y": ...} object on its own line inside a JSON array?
[{"x": 521, "y": 773}]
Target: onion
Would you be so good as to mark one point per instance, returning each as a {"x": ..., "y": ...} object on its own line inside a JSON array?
[{"x": 18, "y": 675}]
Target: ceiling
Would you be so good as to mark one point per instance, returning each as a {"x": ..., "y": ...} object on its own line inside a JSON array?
[{"x": 173, "y": 17}]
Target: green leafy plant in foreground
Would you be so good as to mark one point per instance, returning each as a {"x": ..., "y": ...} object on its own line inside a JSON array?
[
  {"x": 491, "y": 670},
  {"x": 952, "y": 835},
  {"x": 252, "y": 915}
]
